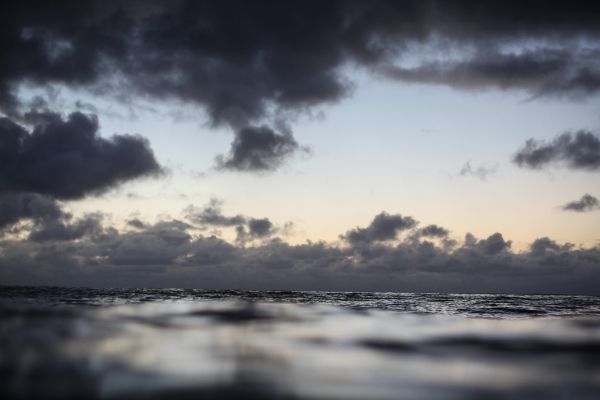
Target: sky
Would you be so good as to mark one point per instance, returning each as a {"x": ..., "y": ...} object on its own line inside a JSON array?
[{"x": 340, "y": 145}]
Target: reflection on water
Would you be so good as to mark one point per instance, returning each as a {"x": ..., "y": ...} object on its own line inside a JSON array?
[{"x": 58, "y": 343}]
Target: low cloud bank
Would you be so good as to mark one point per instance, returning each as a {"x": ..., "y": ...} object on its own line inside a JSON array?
[{"x": 391, "y": 254}]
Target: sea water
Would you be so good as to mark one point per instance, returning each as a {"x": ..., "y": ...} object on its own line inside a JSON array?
[{"x": 58, "y": 343}]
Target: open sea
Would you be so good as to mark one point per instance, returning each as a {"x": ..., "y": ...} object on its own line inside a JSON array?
[{"x": 58, "y": 343}]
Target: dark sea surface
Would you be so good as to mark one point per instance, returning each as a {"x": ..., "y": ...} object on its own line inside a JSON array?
[{"x": 173, "y": 343}]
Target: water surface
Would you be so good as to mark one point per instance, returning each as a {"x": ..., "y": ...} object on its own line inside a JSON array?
[{"x": 175, "y": 343}]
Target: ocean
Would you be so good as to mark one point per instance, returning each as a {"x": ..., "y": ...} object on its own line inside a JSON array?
[{"x": 59, "y": 343}]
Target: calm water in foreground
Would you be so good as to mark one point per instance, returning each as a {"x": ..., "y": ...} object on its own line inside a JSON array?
[{"x": 179, "y": 344}]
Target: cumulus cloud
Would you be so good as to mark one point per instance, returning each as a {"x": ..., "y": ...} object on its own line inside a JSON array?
[
  {"x": 136, "y": 223},
  {"x": 586, "y": 203},
  {"x": 494, "y": 244},
  {"x": 67, "y": 159},
  {"x": 257, "y": 228},
  {"x": 46, "y": 221},
  {"x": 258, "y": 149},
  {"x": 578, "y": 150},
  {"x": 212, "y": 214},
  {"x": 246, "y": 228},
  {"x": 434, "y": 231},
  {"x": 63, "y": 159},
  {"x": 260, "y": 227},
  {"x": 61, "y": 230},
  {"x": 383, "y": 227},
  {"x": 245, "y": 62},
  {"x": 543, "y": 246},
  {"x": 28, "y": 206}
]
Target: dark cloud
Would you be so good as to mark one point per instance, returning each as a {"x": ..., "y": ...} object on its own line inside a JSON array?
[
  {"x": 586, "y": 203},
  {"x": 212, "y": 252},
  {"x": 67, "y": 159},
  {"x": 540, "y": 72},
  {"x": 494, "y": 244},
  {"x": 579, "y": 150},
  {"x": 545, "y": 245},
  {"x": 212, "y": 214},
  {"x": 246, "y": 62},
  {"x": 383, "y": 227},
  {"x": 64, "y": 160},
  {"x": 247, "y": 228},
  {"x": 433, "y": 231},
  {"x": 237, "y": 58},
  {"x": 256, "y": 228},
  {"x": 159, "y": 244},
  {"x": 46, "y": 220},
  {"x": 166, "y": 254},
  {"x": 470, "y": 240},
  {"x": 258, "y": 149},
  {"x": 60, "y": 230},
  {"x": 260, "y": 227},
  {"x": 136, "y": 223},
  {"x": 28, "y": 206}
]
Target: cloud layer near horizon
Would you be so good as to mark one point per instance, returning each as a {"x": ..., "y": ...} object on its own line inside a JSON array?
[{"x": 399, "y": 256}]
